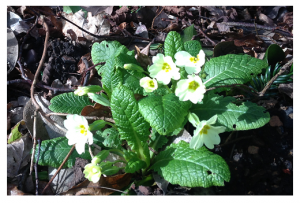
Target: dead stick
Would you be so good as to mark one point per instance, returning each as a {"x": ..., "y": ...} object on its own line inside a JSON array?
[
  {"x": 60, "y": 167},
  {"x": 282, "y": 70},
  {"x": 214, "y": 44},
  {"x": 35, "y": 169},
  {"x": 34, "y": 141},
  {"x": 156, "y": 17}
]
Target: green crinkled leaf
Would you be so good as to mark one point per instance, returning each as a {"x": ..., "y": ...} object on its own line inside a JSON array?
[
  {"x": 246, "y": 116},
  {"x": 54, "y": 151},
  {"x": 188, "y": 33},
  {"x": 123, "y": 56},
  {"x": 69, "y": 103},
  {"x": 164, "y": 113},
  {"x": 161, "y": 90},
  {"x": 232, "y": 69},
  {"x": 157, "y": 141},
  {"x": 104, "y": 51},
  {"x": 131, "y": 79},
  {"x": 173, "y": 44},
  {"x": 112, "y": 139},
  {"x": 182, "y": 165},
  {"x": 193, "y": 47},
  {"x": 110, "y": 76},
  {"x": 134, "y": 163},
  {"x": 131, "y": 125}
]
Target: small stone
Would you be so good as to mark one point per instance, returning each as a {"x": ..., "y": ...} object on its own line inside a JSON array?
[
  {"x": 237, "y": 157},
  {"x": 275, "y": 121},
  {"x": 253, "y": 149},
  {"x": 286, "y": 89}
]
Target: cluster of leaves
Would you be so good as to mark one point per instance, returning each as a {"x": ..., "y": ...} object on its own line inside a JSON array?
[{"x": 161, "y": 114}]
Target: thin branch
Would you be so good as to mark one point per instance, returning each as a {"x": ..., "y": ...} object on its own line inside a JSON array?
[
  {"x": 273, "y": 28},
  {"x": 156, "y": 17},
  {"x": 91, "y": 153},
  {"x": 213, "y": 43},
  {"x": 34, "y": 141},
  {"x": 35, "y": 169},
  {"x": 39, "y": 85},
  {"x": 107, "y": 188},
  {"x": 238, "y": 139},
  {"x": 87, "y": 117},
  {"x": 282, "y": 70},
  {"x": 86, "y": 74},
  {"x": 60, "y": 167},
  {"x": 152, "y": 150}
]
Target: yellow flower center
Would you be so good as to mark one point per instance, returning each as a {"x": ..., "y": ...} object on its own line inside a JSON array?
[
  {"x": 195, "y": 59},
  {"x": 83, "y": 130},
  {"x": 151, "y": 83},
  {"x": 166, "y": 67},
  {"x": 204, "y": 129},
  {"x": 193, "y": 85}
]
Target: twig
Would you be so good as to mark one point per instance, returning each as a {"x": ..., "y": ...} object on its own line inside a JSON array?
[
  {"x": 282, "y": 70},
  {"x": 152, "y": 150},
  {"x": 21, "y": 50},
  {"x": 102, "y": 36},
  {"x": 35, "y": 168},
  {"x": 228, "y": 138},
  {"x": 156, "y": 17},
  {"x": 87, "y": 117},
  {"x": 91, "y": 153},
  {"x": 39, "y": 85},
  {"x": 214, "y": 44},
  {"x": 273, "y": 28},
  {"x": 90, "y": 68},
  {"x": 34, "y": 141},
  {"x": 62, "y": 164},
  {"x": 107, "y": 188},
  {"x": 86, "y": 74}
]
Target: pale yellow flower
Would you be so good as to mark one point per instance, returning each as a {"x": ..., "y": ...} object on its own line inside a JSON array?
[
  {"x": 205, "y": 133},
  {"x": 190, "y": 63},
  {"x": 87, "y": 89},
  {"x": 163, "y": 69},
  {"x": 148, "y": 84},
  {"x": 190, "y": 89},
  {"x": 92, "y": 171},
  {"x": 78, "y": 132}
]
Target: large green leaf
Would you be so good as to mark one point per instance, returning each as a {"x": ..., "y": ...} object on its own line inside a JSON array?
[
  {"x": 232, "y": 69},
  {"x": 54, "y": 151},
  {"x": 131, "y": 79},
  {"x": 69, "y": 103},
  {"x": 188, "y": 33},
  {"x": 245, "y": 117},
  {"x": 112, "y": 138},
  {"x": 164, "y": 113},
  {"x": 173, "y": 44},
  {"x": 104, "y": 51},
  {"x": 131, "y": 125},
  {"x": 193, "y": 47},
  {"x": 134, "y": 163},
  {"x": 157, "y": 141},
  {"x": 182, "y": 165}
]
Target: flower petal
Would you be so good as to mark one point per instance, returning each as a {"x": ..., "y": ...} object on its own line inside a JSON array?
[
  {"x": 80, "y": 147},
  {"x": 196, "y": 141},
  {"x": 182, "y": 57}
]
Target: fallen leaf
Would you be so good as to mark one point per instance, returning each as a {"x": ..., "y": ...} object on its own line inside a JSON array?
[
  {"x": 96, "y": 110},
  {"x": 142, "y": 58},
  {"x": 15, "y": 133},
  {"x": 275, "y": 121},
  {"x": 268, "y": 21},
  {"x": 248, "y": 40},
  {"x": 18, "y": 155},
  {"x": 12, "y": 50},
  {"x": 14, "y": 191},
  {"x": 89, "y": 188}
]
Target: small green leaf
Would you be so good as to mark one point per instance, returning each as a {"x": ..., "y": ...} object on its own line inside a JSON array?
[
  {"x": 110, "y": 171},
  {"x": 15, "y": 134},
  {"x": 131, "y": 125},
  {"x": 173, "y": 44},
  {"x": 232, "y": 69},
  {"x": 246, "y": 116},
  {"x": 157, "y": 141},
  {"x": 99, "y": 99},
  {"x": 112, "y": 138},
  {"x": 54, "y": 151},
  {"x": 164, "y": 113},
  {"x": 188, "y": 33},
  {"x": 69, "y": 103},
  {"x": 187, "y": 167},
  {"x": 274, "y": 54},
  {"x": 161, "y": 90},
  {"x": 193, "y": 47},
  {"x": 134, "y": 163},
  {"x": 74, "y": 9},
  {"x": 97, "y": 125},
  {"x": 104, "y": 51}
]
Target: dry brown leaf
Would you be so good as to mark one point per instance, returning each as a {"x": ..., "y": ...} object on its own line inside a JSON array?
[
  {"x": 81, "y": 65},
  {"x": 96, "y": 110},
  {"x": 142, "y": 58},
  {"x": 248, "y": 40},
  {"x": 27, "y": 72},
  {"x": 14, "y": 191},
  {"x": 89, "y": 188}
]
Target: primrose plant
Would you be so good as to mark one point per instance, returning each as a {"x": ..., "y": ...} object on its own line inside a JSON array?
[{"x": 149, "y": 105}]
